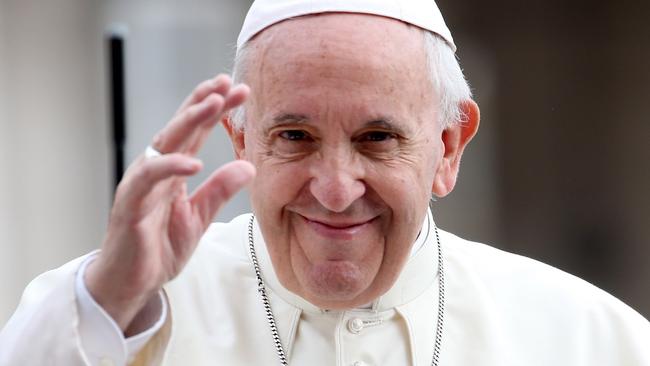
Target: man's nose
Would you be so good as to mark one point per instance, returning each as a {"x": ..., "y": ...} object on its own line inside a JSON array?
[{"x": 337, "y": 181}]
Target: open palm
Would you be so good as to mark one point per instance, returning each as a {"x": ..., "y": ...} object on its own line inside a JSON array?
[{"x": 155, "y": 224}]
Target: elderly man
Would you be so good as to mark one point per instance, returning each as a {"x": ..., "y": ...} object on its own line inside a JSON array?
[{"x": 357, "y": 114}]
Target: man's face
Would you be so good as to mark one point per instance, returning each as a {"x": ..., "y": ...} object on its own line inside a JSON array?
[{"x": 342, "y": 128}]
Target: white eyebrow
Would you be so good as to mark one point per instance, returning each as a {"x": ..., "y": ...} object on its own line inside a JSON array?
[{"x": 289, "y": 118}]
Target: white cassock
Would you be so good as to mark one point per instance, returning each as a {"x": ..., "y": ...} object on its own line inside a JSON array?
[{"x": 501, "y": 309}]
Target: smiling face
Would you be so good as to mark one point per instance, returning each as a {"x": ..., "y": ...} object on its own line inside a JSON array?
[{"x": 342, "y": 128}]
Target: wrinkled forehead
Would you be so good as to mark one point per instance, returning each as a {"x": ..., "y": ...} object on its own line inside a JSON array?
[
  {"x": 345, "y": 64},
  {"x": 362, "y": 39},
  {"x": 351, "y": 32}
]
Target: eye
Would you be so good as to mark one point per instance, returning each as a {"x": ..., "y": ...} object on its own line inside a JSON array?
[
  {"x": 376, "y": 136},
  {"x": 294, "y": 135}
]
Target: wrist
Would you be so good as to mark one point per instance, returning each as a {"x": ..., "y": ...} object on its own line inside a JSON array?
[{"x": 117, "y": 296}]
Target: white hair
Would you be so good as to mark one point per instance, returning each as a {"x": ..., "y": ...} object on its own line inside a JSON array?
[
  {"x": 447, "y": 78},
  {"x": 445, "y": 74}
]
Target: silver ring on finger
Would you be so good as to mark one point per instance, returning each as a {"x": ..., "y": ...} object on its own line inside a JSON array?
[{"x": 150, "y": 152}]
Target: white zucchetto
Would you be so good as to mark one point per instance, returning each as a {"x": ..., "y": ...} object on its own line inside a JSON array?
[{"x": 422, "y": 13}]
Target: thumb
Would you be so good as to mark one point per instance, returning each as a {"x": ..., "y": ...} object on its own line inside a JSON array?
[{"x": 212, "y": 194}]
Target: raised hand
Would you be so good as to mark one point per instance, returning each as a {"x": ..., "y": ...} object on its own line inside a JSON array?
[{"x": 154, "y": 224}]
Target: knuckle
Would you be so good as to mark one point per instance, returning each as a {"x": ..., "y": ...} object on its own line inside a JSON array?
[{"x": 146, "y": 172}]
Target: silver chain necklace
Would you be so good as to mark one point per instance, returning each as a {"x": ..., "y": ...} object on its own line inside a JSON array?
[{"x": 261, "y": 288}]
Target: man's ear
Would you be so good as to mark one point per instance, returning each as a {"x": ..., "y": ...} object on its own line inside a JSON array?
[
  {"x": 236, "y": 137},
  {"x": 454, "y": 140}
]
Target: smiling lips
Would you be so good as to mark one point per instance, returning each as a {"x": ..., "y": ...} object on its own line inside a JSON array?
[{"x": 337, "y": 230}]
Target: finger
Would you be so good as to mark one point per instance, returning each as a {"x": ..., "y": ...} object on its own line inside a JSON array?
[
  {"x": 143, "y": 177},
  {"x": 189, "y": 129},
  {"x": 235, "y": 98},
  {"x": 219, "y": 85},
  {"x": 180, "y": 131},
  {"x": 219, "y": 188}
]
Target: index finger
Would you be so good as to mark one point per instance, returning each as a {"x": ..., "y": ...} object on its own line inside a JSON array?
[
  {"x": 218, "y": 85},
  {"x": 188, "y": 129}
]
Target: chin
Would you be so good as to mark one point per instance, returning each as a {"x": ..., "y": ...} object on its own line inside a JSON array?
[{"x": 336, "y": 284}]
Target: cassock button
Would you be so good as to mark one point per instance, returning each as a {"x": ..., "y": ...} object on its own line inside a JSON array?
[{"x": 355, "y": 325}]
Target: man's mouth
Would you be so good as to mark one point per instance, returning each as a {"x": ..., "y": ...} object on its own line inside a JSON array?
[{"x": 333, "y": 229}]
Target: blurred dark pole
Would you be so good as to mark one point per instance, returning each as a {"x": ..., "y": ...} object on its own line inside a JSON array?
[{"x": 115, "y": 43}]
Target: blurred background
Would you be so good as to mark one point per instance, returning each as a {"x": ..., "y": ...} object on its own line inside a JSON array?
[{"x": 558, "y": 171}]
